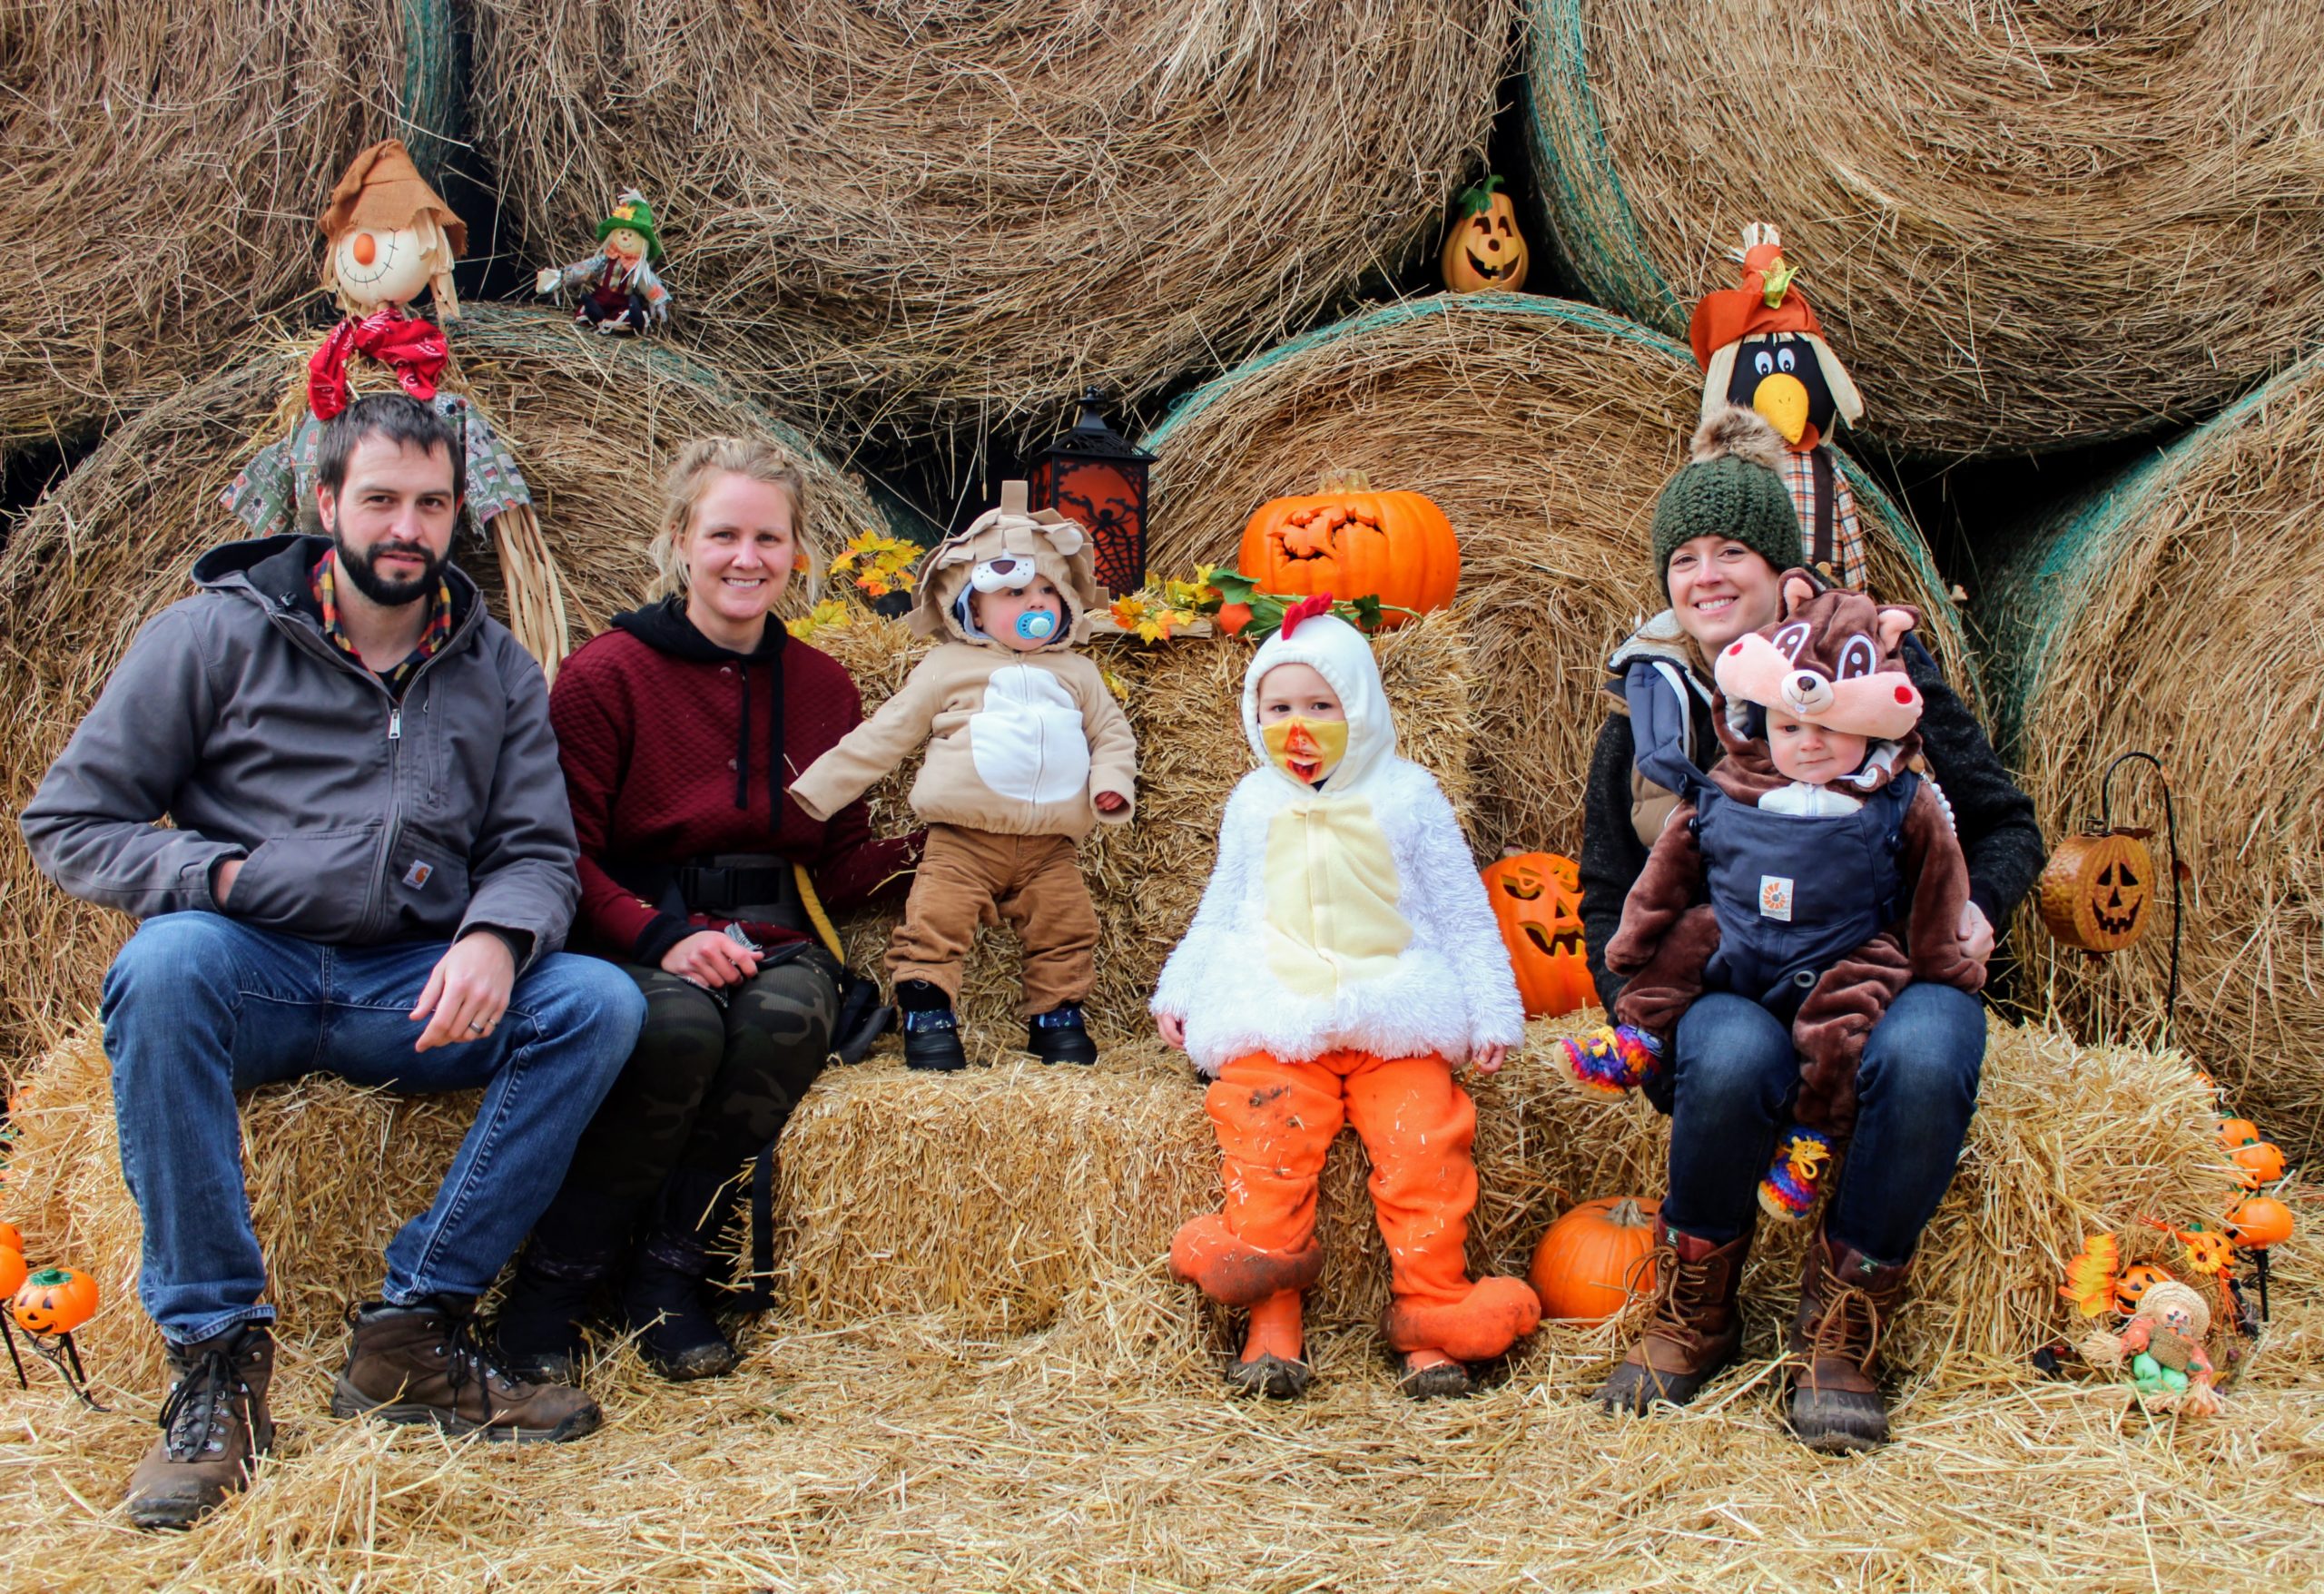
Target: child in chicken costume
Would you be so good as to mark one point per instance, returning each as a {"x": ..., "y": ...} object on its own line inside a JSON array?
[
  {"x": 1343, "y": 962},
  {"x": 1833, "y": 875},
  {"x": 1761, "y": 348},
  {"x": 1027, "y": 752}
]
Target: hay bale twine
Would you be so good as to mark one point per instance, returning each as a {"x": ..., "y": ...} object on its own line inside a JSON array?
[
  {"x": 2157, "y": 612},
  {"x": 164, "y": 168},
  {"x": 2027, "y": 226},
  {"x": 936, "y": 215},
  {"x": 593, "y": 424},
  {"x": 1544, "y": 430},
  {"x": 1184, "y": 700}
]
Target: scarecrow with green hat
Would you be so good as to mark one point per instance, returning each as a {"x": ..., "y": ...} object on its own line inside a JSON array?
[{"x": 619, "y": 291}]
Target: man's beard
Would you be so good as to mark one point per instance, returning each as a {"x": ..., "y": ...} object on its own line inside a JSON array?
[{"x": 387, "y": 593}]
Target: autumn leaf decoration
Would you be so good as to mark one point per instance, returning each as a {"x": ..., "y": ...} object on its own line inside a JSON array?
[
  {"x": 1230, "y": 589},
  {"x": 879, "y": 564}
]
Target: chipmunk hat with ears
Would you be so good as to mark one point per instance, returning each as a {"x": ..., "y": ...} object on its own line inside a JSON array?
[
  {"x": 1836, "y": 659},
  {"x": 1008, "y": 545}
]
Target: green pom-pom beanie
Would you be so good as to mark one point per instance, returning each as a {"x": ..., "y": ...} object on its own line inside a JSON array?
[{"x": 1733, "y": 487}]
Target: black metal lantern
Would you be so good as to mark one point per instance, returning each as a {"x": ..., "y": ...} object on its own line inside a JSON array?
[{"x": 1095, "y": 474}]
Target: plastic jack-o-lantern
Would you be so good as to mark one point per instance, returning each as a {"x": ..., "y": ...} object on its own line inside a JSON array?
[
  {"x": 2262, "y": 1162},
  {"x": 12, "y": 1272},
  {"x": 55, "y": 1300},
  {"x": 2094, "y": 891},
  {"x": 2136, "y": 1281},
  {"x": 1352, "y": 542},
  {"x": 2259, "y": 1222},
  {"x": 1596, "y": 1259},
  {"x": 1537, "y": 898},
  {"x": 1483, "y": 247}
]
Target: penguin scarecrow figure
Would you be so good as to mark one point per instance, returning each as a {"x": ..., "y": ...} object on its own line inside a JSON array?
[
  {"x": 388, "y": 237},
  {"x": 1762, "y": 347},
  {"x": 619, "y": 289}
]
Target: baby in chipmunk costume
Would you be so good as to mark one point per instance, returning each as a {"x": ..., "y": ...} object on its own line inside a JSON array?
[
  {"x": 1343, "y": 962},
  {"x": 1027, "y": 752},
  {"x": 1833, "y": 875}
]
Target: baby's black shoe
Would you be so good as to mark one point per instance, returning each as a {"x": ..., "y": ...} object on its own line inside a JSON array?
[
  {"x": 932, "y": 1034},
  {"x": 1058, "y": 1036}
]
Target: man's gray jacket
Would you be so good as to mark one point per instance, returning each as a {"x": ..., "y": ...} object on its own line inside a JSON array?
[{"x": 363, "y": 820}]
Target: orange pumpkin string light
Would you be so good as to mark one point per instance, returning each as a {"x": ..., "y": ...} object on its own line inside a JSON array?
[{"x": 50, "y": 1305}]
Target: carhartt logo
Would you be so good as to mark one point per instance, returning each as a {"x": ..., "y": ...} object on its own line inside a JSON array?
[
  {"x": 417, "y": 875},
  {"x": 1775, "y": 897}
]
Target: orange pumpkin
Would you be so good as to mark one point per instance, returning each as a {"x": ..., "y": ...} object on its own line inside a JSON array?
[
  {"x": 1537, "y": 898},
  {"x": 13, "y": 1271},
  {"x": 2262, "y": 1162},
  {"x": 2259, "y": 1222},
  {"x": 1350, "y": 542},
  {"x": 9, "y": 1238},
  {"x": 55, "y": 1300},
  {"x": 1596, "y": 1259},
  {"x": 2235, "y": 1132},
  {"x": 2094, "y": 892},
  {"x": 2136, "y": 1281},
  {"x": 1483, "y": 249}
]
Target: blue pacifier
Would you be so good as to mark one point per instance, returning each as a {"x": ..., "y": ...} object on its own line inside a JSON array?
[{"x": 1037, "y": 625}]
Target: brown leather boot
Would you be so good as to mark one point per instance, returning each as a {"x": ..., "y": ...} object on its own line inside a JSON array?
[
  {"x": 1695, "y": 1330},
  {"x": 215, "y": 1426},
  {"x": 1845, "y": 1302},
  {"x": 428, "y": 1364}
]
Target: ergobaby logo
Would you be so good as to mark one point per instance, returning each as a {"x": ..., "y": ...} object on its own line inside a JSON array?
[{"x": 1775, "y": 897}]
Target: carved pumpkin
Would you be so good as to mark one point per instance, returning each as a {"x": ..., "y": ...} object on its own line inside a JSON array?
[
  {"x": 1537, "y": 898},
  {"x": 2259, "y": 1222},
  {"x": 1482, "y": 247},
  {"x": 1596, "y": 1259},
  {"x": 2262, "y": 1163},
  {"x": 12, "y": 1272},
  {"x": 2136, "y": 1280},
  {"x": 55, "y": 1300},
  {"x": 2094, "y": 891},
  {"x": 1350, "y": 542}
]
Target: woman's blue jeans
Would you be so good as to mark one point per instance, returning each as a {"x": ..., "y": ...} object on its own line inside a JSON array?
[
  {"x": 198, "y": 1006},
  {"x": 1734, "y": 1075}
]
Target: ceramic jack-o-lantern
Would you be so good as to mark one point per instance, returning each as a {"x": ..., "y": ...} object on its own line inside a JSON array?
[
  {"x": 1536, "y": 899},
  {"x": 1352, "y": 542},
  {"x": 2096, "y": 890},
  {"x": 1483, "y": 249}
]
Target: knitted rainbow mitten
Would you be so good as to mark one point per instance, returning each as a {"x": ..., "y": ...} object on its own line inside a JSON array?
[
  {"x": 1612, "y": 1059},
  {"x": 1796, "y": 1176}
]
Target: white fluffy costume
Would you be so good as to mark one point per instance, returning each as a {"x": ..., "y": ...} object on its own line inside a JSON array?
[{"x": 1344, "y": 961}]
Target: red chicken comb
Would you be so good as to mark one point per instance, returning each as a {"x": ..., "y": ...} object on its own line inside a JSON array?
[{"x": 1306, "y": 608}]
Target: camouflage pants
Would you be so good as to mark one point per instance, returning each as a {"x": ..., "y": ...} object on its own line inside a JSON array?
[{"x": 707, "y": 1086}]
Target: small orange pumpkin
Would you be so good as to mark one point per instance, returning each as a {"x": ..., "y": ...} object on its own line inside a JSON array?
[
  {"x": 1350, "y": 542},
  {"x": 1537, "y": 898},
  {"x": 2259, "y": 1222},
  {"x": 2136, "y": 1281},
  {"x": 1596, "y": 1259},
  {"x": 2094, "y": 891},
  {"x": 9, "y": 1238},
  {"x": 2262, "y": 1162},
  {"x": 55, "y": 1300},
  {"x": 2235, "y": 1132},
  {"x": 1482, "y": 247},
  {"x": 12, "y": 1272}
]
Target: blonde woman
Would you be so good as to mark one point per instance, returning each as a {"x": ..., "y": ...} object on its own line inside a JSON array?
[{"x": 680, "y": 730}]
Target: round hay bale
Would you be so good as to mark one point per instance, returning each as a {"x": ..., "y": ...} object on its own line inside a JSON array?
[
  {"x": 2157, "y": 612},
  {"x": 164, "y": 168},
  {"x": 592, "y": 423},
  {"x": 931, "y": 214},
  {"x": 1544, "y": 430},
  {"x": 1184, "y": 698},
  {"x": 2027, "y": 226}
]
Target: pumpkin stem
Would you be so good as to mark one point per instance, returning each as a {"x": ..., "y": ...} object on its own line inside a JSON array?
[
  {"x": 1625, "y": 1215},
  {"x": 1477, "y": 199}
]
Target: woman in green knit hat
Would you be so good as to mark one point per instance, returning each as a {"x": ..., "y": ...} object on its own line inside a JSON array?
[{"x": 1724, "y": 531}]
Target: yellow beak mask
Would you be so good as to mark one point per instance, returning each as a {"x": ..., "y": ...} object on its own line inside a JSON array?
[{"x": 1305, "y": 750}]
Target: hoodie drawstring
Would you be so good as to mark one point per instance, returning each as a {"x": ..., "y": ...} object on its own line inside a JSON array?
[{"x": 775, "y": 784}]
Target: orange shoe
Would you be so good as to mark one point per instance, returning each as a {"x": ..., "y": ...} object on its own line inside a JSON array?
[{"x": 1274, "y": 1362}]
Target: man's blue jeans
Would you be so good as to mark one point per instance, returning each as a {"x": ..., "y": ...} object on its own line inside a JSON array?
[
  {"x": 199, "y": 1006},
  {"x": 1734, "y": 1072}
]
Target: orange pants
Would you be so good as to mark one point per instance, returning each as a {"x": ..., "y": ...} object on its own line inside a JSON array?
[{"x": 1277, "y": 1119}]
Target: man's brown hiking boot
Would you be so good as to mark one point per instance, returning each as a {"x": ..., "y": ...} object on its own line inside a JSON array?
[
  {"x": 1847, "y": 1302},
  {"x": 1695, "y": 1330},
  {"x": 428, "y": 1363},
  {"x": 215, "y": 1426}
]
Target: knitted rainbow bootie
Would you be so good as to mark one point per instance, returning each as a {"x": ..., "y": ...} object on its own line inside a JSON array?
[
  {"x": 1796, "y": 1176},
  {"x": 1611, "y": 1061}
]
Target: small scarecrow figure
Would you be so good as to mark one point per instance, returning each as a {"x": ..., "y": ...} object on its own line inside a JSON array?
[
  {"x": 1762, "y": 347},
  {"x": 2163, "y": 1342},
  {"x": 620, "y": 293},
  {"x": 388, "y": 237}
]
